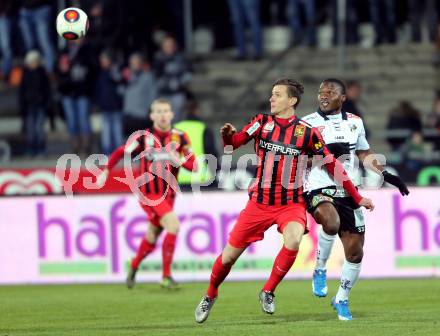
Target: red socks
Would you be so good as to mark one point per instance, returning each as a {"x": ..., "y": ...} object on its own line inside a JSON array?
[
  {"x": 283, "y": 263},
  {"x": 168, "y": 247},
  {"x": 219, "y": 273},
  {"x": 144, "y": 249}
]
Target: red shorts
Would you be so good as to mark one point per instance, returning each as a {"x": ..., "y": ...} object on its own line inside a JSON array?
[
  {"x": 256, "y": 218},
  {"x": 155, "y": 213}
]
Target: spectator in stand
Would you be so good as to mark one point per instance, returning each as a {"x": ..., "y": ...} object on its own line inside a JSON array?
[
  {"x": 207, "y": 137},
  {"x": 36, "y": 25},
  {"x": 109, "y": 100},
  {"x": 243, "y": 11},
  {"x": 414, "y": 151},
  {"x": 353, "y": 94},
  {"x": 202, "y": 142},
  {"x": 76, "y": 85},
  {"x": 434, "y": 121},
  {"x": 34, "y": 99},
  {"x": 416, "y": 10},
  {"x": 8, "y": 10},
  {"x": 406, "y": 118},
  {"x": 383, "y": 16},
  {"x": 436, "y": 61},
  {"x": 434, "y": 116},
  {"x": 299, "y": 28},
  {"x": 353, "y": 97},
  {"x": 351, "y": 22},
  {"x": 106, "y": 23},
  {"x": 140, "y": 92},
  {"x": 173, "y": 75}
]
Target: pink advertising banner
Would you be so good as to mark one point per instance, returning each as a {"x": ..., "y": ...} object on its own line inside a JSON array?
[{"x": 55, "y": 239}]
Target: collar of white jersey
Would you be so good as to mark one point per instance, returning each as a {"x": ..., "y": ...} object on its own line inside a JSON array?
[{"x": 324, "y": 116}]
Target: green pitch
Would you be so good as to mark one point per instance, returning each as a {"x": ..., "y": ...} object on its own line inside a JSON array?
[{"x": 379, "y": 307}]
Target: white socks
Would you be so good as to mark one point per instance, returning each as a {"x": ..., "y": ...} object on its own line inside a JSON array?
[
  {"x": 350, "y": 274},
  {"x": 325, "y": 244}
]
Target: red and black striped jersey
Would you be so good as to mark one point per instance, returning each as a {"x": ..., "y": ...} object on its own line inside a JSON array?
[
  {"x": 282, "y": 147},
  {"x": 153, "y": 149}
]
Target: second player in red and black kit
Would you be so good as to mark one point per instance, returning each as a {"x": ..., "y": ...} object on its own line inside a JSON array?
[
  {"x": 162, "y": 150},
  {"x": 276, "y": 193}
]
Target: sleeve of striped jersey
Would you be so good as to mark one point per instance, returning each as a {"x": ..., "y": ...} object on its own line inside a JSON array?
[
  {"x": 118, "y": 153},
  {"x": 318, "y": 146},
  {"x": 189, "y": 159},
  {"x": 247, "y": 133},
  {"x": 362, "y": 143}
]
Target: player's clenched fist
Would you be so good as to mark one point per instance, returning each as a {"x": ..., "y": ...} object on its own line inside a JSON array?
[
  {"x": 367, "y": 203},
  {"x": 227, "y": 130}
]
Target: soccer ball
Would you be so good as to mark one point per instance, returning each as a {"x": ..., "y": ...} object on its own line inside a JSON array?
[{"x": 72, "y": 23}]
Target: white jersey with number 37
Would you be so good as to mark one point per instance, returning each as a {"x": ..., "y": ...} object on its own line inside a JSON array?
[{"x": 342, "y": 127}]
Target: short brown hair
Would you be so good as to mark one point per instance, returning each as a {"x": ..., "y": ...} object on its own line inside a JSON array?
[
  {"x": 161, "y": 101},
  {"x": 294, "y": 88}
]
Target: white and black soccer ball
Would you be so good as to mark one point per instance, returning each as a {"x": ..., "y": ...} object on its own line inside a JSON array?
[{"x": 72, "y": 23}]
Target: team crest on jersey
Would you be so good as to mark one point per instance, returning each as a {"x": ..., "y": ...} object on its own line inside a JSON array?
[
  {"x": 320, "y": 128},
  {"x": 299, "y": 130},
  {"x": 318, "y": 145},
  {"x": 175, "y": 137},
  {"x": 269, "y": 126},
  {"x": 353, "y": 127}
]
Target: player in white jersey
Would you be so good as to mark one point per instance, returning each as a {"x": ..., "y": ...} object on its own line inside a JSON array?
[{"x": 344, "y": 134}]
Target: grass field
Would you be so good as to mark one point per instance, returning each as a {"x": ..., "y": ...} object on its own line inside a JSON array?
[{"x": 380, "y": 307}]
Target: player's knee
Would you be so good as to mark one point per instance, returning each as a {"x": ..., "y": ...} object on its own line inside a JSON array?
[
  {"x": 151, "y": 237},
  {"x": 173, "y": 229},
  {"x": 170, "y": 223},
  {"x": 292, "y": 241},
  {"x": 329, "y": 220},
  {"x": 355, "y": 257},
  {"x": 228, "y": 259},
  {"x": 331, "y": 229}
]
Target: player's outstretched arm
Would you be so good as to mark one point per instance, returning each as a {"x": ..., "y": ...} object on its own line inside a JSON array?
[
  {"x": 113, "y": 160},
  {"x": 377, "y": 167},
  {"x": 367, "y": 203},
  {"x": 335, "y": 168},
  {"x": 184, "y": 156}
]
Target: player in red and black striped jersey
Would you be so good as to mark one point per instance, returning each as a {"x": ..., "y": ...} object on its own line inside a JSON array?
[
  {"x": 162, "y": 151},
  {"x": 281, "y": 141}
]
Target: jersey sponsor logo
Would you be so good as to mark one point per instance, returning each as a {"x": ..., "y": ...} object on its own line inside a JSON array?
[
  {"x": 317, "y": 199},
  {"x": 269, "y": 126},
  {"x": 157, "y": 156},
  {"x": 339, "y": 137},
  {"x": 279, "y": 148},
  {"x": 318, "y": 145},
  {"x": 251, "y": 130},
  {"x": 299, "y": 130}
]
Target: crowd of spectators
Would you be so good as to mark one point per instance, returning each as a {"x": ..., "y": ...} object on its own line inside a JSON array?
[
  {"x": 123, "y": 64},
  {"x": 305, "y": 16},
  {"x": 96, "y": 73}
]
